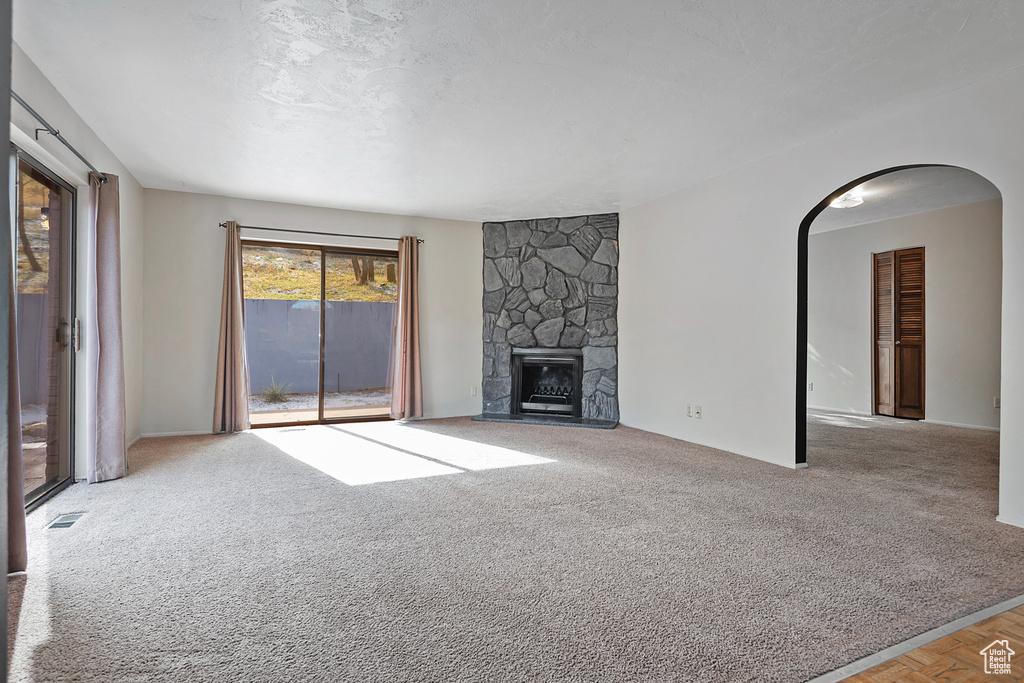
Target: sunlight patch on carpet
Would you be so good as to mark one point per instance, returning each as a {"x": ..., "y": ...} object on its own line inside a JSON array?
[
  {"x": 31, "y": 613},
  {"x": 348, "y": 458},
  {"x": 468, "y": 455},
  {"x": 356, "y": 454},
  {"x": 842, "y": 420}
]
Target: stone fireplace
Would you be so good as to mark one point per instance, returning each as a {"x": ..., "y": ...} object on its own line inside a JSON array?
[{"x": 551, "y": 292}]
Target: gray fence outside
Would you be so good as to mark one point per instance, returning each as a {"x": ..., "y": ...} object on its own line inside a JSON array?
[
  {"x": 32, "y": 353},
  {"x": 282, "y": 341}
]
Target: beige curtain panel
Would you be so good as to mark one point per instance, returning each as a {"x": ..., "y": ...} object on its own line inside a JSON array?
[
  {"x": 407, "y": 385},
  {"x": 231, "y": 401},
  {"x": 106, "y": 452},
  {"x": 17, "y": 548}
]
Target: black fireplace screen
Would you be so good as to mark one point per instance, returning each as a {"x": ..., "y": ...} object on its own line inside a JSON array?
[{"x": 547, "y": 384}]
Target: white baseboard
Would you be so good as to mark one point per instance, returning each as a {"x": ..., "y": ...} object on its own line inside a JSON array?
[
  {"x": 841, "y": 411},
  {"x": 153, "y": 435},
  {"x": 1011, "y": 522},
  {"x": 788, "y": 464},
  {"x": 958, "y": 424},
  {"x": 135, "y": 441}
]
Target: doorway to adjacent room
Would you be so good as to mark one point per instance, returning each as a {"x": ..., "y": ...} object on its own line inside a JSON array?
[{"x": 867, "y": 293}]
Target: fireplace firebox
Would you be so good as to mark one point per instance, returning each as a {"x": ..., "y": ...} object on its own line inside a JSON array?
[{"x": 547, "y": 382}]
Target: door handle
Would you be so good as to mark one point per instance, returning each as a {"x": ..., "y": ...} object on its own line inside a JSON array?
[{"x": 897, "y": 342}]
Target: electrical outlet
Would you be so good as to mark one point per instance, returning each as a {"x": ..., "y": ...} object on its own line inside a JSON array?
[
  {"x": 689, "y": 410},
  {"x": 810, "y": 386},
  {"x": 696, "y": 412},
  {"x": 472, "y": 391},
  {"x": 996, "y": 402}
]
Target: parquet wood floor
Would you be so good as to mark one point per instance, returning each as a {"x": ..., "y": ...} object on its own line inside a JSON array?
[{"x": 956, "y": 658}]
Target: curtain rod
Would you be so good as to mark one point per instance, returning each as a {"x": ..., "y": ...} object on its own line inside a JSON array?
[
  {"x": 56, "y": 133},
  {"x": 313, "y": 232}
]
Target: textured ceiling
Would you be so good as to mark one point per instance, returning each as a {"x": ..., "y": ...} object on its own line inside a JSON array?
[
  {"x": 491, "y": 110},
  {"x": 908, "y": 192}
]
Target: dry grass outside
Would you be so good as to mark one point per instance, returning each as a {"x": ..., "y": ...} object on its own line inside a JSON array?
[
  {"x": 352, "y": 398},
  {"x": 294, "y": 274}
]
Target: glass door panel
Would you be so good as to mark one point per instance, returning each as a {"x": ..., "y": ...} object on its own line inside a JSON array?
[
  {"x": 282, "y": 290},
  {"x": 360, "y": 294},
  {"x": 43, "y": 222}
]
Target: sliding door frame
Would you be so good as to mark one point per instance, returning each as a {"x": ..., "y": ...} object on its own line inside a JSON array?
[
  {"x": 323, "y": 249},
  {"x": 67, "y": 267},
  {"x": 384, "y": 253}
]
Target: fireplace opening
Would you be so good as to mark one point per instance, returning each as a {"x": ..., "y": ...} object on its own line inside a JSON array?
[{"x": 547, "y": 382}]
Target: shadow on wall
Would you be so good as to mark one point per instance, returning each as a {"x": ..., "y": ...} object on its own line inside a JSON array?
[{"x": 835, "y": 372}]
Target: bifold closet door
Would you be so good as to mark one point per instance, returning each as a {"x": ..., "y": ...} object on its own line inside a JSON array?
[
  {"x": 899, "y": 333},
  {"x": 885, "y": 380}
]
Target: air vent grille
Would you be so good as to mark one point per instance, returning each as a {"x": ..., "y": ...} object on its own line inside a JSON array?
[{"x": 64, "y": 521}]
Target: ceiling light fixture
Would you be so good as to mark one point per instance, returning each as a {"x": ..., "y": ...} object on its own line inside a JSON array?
[{"x": 846, "y": 201}]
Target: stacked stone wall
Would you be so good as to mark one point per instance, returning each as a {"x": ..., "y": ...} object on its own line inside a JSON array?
[{"x": 552, "y": 283}]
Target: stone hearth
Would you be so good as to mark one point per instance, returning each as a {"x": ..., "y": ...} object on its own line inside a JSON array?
[{"x": 552, "y": 283}]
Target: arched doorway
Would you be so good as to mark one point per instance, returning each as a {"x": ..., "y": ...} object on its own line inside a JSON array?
[{"x": 905, "y": 200}]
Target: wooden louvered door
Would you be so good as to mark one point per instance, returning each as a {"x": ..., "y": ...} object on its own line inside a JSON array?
[
  {"x": 885, "y": 378},
  {"x": 899, "y": 333},
  {"x": 909, "y": 332}
]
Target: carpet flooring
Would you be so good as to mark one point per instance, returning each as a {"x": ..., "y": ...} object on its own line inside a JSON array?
[{"x": 453, "y": 550}]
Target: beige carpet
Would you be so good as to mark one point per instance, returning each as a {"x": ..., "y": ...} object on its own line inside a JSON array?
[{"x": 563, "y": 555}]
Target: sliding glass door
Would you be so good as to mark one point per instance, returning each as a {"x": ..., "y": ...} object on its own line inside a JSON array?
[
  {"x": 319, "y": 325},
  {"x": 44, "y": 226},
  {"x": 282, "y": 287},
  {"x": 359, "y": 305}
]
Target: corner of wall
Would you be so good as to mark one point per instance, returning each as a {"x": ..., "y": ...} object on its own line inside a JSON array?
[{"x": 37, "y": 90}]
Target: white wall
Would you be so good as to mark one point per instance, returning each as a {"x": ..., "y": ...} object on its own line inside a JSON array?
[
  {"x": 184, "y": 270},
  {"x": 963, "y": 292},
  {"x": 35, "y": 89},
  {"x": 708, "y": 280}
]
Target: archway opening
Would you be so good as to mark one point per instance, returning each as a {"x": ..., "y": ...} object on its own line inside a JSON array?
[{"x": 950, "y": 219}]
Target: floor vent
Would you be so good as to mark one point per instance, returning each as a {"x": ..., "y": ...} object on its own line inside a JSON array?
[
  {"x": 294, "y": 429},
  {"x": 64, "y": 521}
]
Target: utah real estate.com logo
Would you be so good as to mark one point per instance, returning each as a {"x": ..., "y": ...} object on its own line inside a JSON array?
[{"x": 997, "y": 657}]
